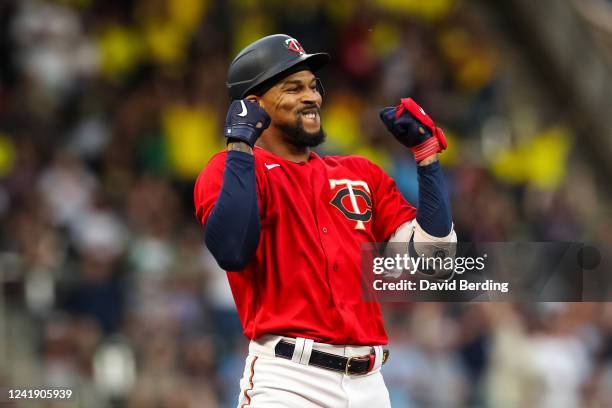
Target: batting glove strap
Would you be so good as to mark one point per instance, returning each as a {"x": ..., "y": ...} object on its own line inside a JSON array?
[
  {"x": 430, "y": 146},
  {"x": 246, "y": 133}
]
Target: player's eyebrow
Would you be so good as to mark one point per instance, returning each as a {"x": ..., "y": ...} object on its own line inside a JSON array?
[{"x": 295, "y": 82}]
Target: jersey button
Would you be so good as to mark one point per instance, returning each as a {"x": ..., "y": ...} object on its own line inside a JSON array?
[
  {"x": 335, "y": 267},
  {"x": 324, "y": 230}
]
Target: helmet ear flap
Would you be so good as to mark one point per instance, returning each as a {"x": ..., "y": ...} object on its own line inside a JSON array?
[{"x": 320, "y": 87}]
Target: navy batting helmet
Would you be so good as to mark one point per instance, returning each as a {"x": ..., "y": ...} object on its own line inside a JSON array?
[{"x": 266, "y": 61}]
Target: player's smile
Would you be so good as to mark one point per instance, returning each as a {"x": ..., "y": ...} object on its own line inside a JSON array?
[{"x": 311, "y": 117}]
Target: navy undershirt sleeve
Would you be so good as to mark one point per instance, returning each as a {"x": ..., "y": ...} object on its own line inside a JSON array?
[
  {"x": 433, "y": 211},
  {"x": 233, "y": 227}
]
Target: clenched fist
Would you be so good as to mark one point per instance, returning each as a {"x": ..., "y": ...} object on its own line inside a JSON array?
[
  {"x": 413, "y": 128},
  {"x": 245, "y": 121}
]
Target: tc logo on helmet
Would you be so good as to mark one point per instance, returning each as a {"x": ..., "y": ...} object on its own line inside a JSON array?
[{"x": 294, "y": 46}]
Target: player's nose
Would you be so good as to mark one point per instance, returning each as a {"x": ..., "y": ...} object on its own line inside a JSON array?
[{"x": 312, "y": 97}]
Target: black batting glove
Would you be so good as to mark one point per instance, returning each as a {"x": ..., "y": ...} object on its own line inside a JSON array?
[{"x": 245, "y": 121}]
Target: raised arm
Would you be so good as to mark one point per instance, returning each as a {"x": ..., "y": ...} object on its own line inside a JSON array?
[
  {"x": 233, "y": 227},
  {"x": 433, "y": 230},
  {"x": 412, "y": 127}
]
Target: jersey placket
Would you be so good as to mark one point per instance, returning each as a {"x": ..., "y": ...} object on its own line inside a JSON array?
[{"x": 327, "y": 234}]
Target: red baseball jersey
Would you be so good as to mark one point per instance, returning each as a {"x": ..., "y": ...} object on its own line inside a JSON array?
[{"x": 305, "y": 278}]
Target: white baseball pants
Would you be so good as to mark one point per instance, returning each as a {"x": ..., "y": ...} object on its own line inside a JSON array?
[{"x": 273, "y": 382}]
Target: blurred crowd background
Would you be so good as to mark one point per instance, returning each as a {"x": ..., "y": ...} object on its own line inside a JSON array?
[{"x": 110, "y": 108}]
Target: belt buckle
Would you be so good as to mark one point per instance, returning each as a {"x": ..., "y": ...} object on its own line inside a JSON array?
[{"x": 348, "y": 365}]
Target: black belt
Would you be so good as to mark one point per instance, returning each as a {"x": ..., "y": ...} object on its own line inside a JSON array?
[{"x": 346, "y": 365}]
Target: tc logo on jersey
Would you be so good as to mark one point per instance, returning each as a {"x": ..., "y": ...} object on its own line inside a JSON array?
[
  {"x": 294, "y": 45},
  {"x": 351, "y": 207}
]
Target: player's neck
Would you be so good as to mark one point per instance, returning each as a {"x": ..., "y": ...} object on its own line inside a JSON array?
[{"x": 275, "y": 145}]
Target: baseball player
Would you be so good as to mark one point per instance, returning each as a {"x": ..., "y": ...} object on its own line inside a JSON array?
[{"x": 288, "y": 224}]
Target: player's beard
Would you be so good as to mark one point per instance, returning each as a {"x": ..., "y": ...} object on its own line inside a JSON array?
[{"x": 297, "y": 136}]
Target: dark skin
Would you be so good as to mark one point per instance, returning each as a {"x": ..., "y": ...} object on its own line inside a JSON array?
[{"x": 294, "y": 98}]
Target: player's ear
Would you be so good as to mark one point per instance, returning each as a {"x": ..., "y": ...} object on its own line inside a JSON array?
[{"x": 255, "y": 99}]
